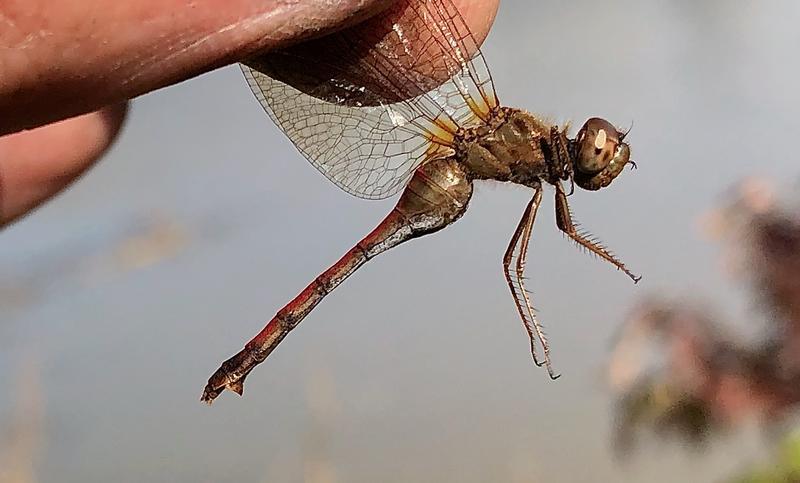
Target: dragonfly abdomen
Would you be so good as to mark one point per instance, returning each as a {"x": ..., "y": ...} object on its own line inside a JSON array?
[{"x": 436, "y": 196}]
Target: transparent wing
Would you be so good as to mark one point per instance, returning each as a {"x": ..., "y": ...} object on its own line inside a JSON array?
[
  {"x": 369, "y": 151},
  {"x": 368, "y": 105}
]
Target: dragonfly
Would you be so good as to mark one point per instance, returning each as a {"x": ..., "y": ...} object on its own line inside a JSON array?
[{"x": 405, "y": 104}]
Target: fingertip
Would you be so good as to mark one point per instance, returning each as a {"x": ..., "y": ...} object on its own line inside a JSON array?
[
  {"x": 37, "y": 164},
  {"x": 479, "y": 16}
]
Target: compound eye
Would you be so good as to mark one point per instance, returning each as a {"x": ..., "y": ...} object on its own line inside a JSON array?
[{"x": 597, "y": 145}]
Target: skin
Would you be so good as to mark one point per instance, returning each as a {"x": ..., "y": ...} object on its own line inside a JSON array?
[{"x": 68, "y": 68}]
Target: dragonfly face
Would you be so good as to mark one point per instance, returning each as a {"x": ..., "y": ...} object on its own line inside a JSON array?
[
  {"x": 601, "y": 154},
  {"x": 405, "y": 103}
]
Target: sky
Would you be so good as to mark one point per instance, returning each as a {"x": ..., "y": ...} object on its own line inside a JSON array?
[{"x": 128, "y": 290}]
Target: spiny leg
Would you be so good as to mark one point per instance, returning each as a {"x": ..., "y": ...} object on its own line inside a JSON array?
[
  {"x": 519, "y": 243},
  {"x": 514, "y": 284},
  {"x": 435, "y": 197},
  {"x": 520, "y": 272},
  {"x": 522, "y": 257},
  {"x": 567, "y": 225}
]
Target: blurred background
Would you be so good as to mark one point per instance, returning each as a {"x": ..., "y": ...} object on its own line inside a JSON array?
[{"x": 119, "y": 299}]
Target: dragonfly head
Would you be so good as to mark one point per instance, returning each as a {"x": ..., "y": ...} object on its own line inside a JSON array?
[{"x": 600, "y": 154}]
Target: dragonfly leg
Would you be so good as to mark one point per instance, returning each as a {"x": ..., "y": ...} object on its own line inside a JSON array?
[
  {"x": 567, "y": 225},
  {"x": 436, "y": 196},
  {"x": 519, "y": 246}
]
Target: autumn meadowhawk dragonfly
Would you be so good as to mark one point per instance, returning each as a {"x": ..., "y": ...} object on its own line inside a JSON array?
[{"x": 406, "y": 103}]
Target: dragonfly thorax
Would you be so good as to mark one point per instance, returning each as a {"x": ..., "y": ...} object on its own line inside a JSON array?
[{"x": 517, "y": 147}]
